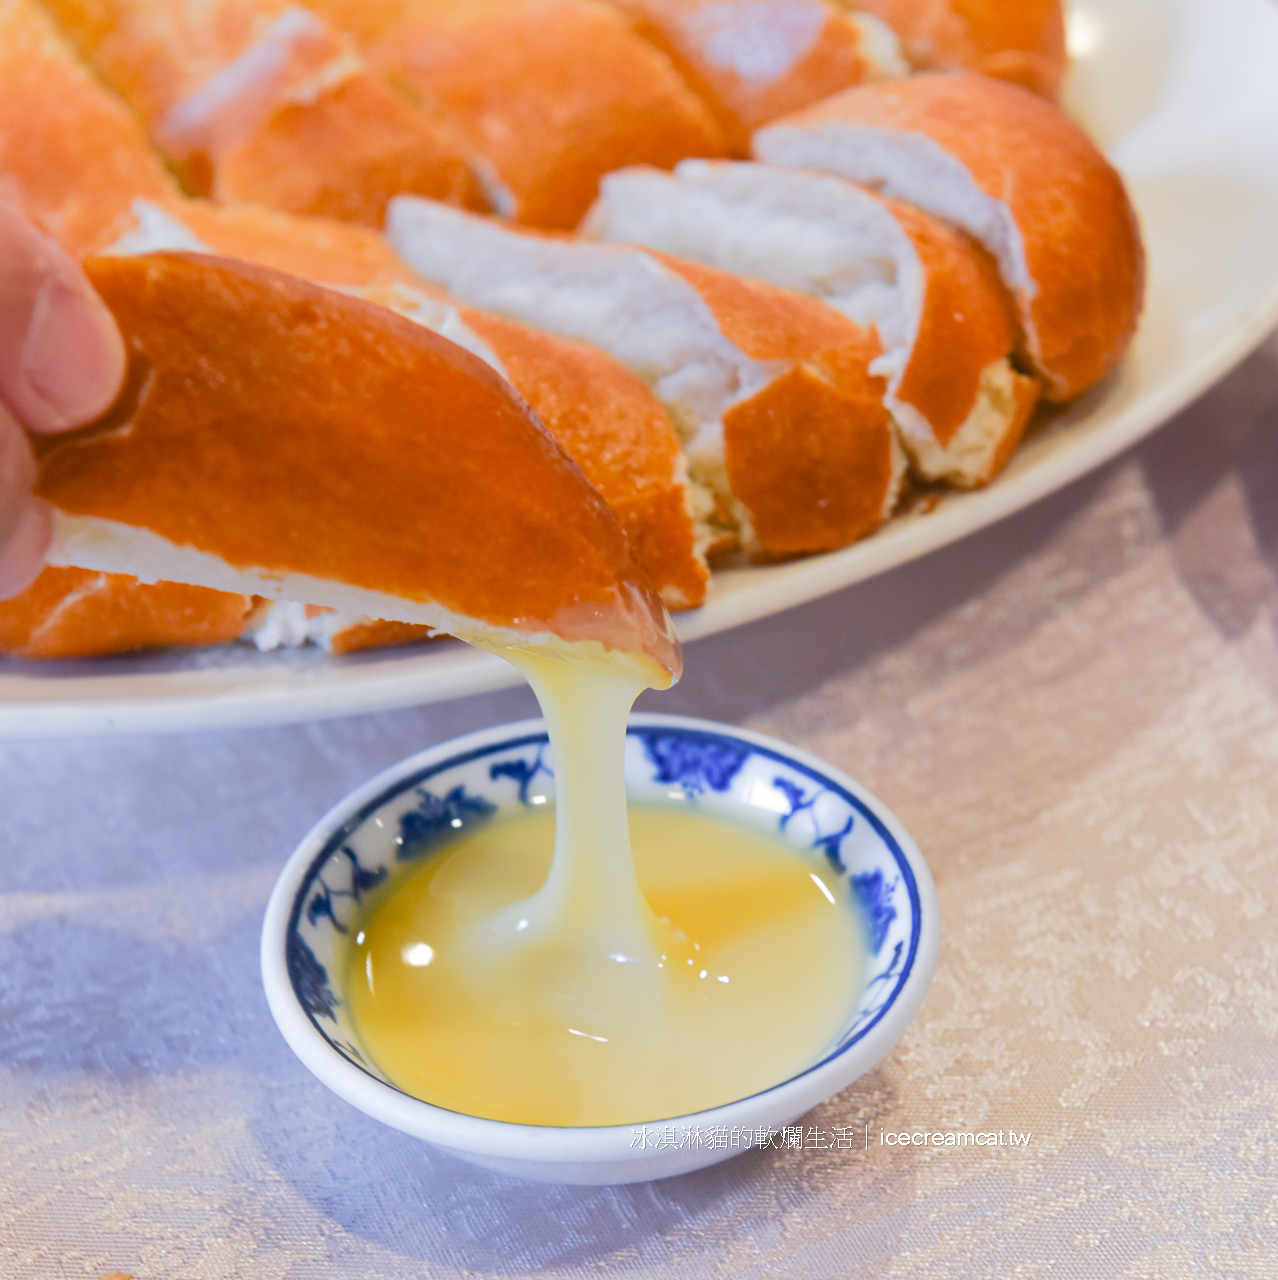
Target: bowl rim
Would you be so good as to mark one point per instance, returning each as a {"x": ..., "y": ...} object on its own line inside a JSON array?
[{"x": 500, "y": 1139}]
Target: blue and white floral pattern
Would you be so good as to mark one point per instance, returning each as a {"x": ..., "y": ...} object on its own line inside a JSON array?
[
  {"x": 667, "y": 763},
  {"x": 694, "y": 761}
]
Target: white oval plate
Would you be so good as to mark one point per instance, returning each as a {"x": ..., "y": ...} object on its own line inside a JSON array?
[{"x": 1184, "y": 98}]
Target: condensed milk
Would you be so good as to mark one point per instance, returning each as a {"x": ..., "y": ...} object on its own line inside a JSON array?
[{"x": 539, "y": 971}]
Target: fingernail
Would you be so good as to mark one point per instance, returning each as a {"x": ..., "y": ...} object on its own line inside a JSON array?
[{"x": 72, "y": 358}]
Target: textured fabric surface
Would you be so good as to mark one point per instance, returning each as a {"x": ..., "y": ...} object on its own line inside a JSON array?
[{"x": 1075, "y": 712}]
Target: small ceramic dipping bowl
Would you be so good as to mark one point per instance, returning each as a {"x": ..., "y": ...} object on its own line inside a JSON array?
[{"x": 415, "y": 808}]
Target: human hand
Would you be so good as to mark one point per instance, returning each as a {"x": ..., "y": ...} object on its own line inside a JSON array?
[{"x": 61, "y": 364}]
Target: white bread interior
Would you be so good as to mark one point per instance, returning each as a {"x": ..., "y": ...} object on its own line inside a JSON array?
[
  {"x": 435, "y": 314},
  {"x": 286, "y": 624},
  {"x": 975, "y": 452},
  {"x": 764, "y": 43},
  {"x": 910, "y": 167},
  {"x": 818, "y": 235},
  {"x": 110, "y": 546},
  {"x": 156, "y": 231},
  {"x": 805, "y": 232},
  {"x": 880, "y": 47}
]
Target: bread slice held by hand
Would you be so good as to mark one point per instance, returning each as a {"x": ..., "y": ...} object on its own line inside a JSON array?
[
  {"x": 1015, "y": 173},
  {"x": 284, "y": 440},
  {"x": 606, "y": 420}
]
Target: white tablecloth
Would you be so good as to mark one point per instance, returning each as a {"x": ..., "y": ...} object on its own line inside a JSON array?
[{"x": 1076, "y": 713}]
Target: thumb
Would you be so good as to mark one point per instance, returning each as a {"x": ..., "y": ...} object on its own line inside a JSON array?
[{"x": 61, "y": 356}]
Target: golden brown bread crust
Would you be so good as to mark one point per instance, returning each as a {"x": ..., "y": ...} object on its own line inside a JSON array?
[
  {"x": 771, "y": 323},
  {"x": 1018, "y": 40},
  {"x": 322, "y": 250},
  {"x": 344, "y": 155},
  {"x": 72, "y": 157},
  {"x": 328, "y": 138},
  {"x": 662, "y": 539},
  {"x": 154, "y": 54},
  {"x": 614, "y": 428},
  {"x": 1025, "y": 395},
  {"x": 686, "y": 31},
  {"x": 79, "y": 613},
  {"x": 366, "y": 20},
  {"x": 837, "y": 473},
  {"x": 811, "y": 455},
  {"x": 275, "y": 424},
  {"x": 378, "y": 634},
  {"x": 552, "y": 93},
  {"x": 966, "y": 323},
  {"x": 1082, "y": 241}
]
